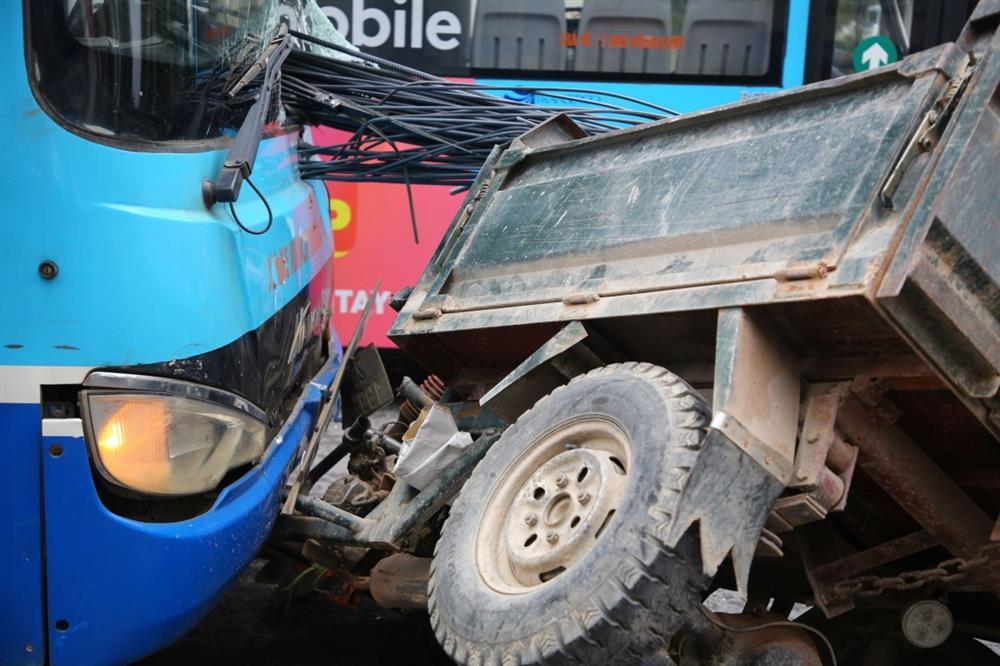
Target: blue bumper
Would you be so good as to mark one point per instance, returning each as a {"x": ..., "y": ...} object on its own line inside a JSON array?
[{"x": 119, "y": 589}]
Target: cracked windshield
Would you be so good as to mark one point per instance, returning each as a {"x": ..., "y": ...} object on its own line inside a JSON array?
[{"x": 154, "y": 71}]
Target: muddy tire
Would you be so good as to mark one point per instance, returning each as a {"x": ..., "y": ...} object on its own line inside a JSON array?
[{"x": 606, "y": 588}]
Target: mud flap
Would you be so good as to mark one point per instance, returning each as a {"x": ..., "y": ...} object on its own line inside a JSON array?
[
  {"x": 746, "y": 459},
  {"x": 730, "y": 497}
]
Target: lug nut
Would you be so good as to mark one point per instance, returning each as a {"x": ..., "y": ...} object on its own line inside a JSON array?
[
  {"x": 530, "y": 519},
  {"x": 552, "y": 537},
  {"x": 561, "y": 481},
  {"x": 583, "y": 497}
]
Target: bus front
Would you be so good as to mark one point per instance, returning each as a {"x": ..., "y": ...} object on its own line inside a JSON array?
[{"x": 162, "y": 361}]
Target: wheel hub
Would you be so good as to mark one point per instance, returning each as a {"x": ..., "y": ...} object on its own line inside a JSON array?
[
  {"x": 549, "y": 506},
  {"x": 560, "y": 511}
]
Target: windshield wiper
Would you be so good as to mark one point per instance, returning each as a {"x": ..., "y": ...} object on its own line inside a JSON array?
[{"x": 242, "y": 153}]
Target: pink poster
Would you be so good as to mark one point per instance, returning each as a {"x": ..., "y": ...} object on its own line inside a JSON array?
[{"x": 374, "y": 240}]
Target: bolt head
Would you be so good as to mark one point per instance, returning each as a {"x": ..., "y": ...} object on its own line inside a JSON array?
[
  {"x": 530, "y": 519},
  {"x": 561, "y": 481},
  {"x": 583, "y": 497},
  {"x": 552, "y": 537},
  {"x": 48, "y": 269}
]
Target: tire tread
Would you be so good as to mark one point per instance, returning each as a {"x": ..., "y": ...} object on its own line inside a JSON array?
[{"x": 606, "y": 628}]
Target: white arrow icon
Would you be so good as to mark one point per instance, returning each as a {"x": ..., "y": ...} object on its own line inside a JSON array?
[{"x": 874, "y": 56}]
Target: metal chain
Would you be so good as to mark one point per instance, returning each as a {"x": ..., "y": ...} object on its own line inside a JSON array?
[{"x": 947, "y": 571}]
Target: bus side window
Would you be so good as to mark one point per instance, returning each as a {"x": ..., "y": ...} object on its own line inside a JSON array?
[
  {"x": 602, "y": 19},
  {"x": 520, "y": 34},
  {"x": 726, "y": 37}
]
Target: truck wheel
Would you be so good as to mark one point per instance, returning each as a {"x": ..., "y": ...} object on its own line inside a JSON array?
[{"x": 554, "y": 552}]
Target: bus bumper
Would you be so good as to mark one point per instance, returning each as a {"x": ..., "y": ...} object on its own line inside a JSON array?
[{"x": 118, "y": 589}]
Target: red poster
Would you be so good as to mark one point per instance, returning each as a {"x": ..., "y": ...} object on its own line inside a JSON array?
[{"x": 374, "y": 240}]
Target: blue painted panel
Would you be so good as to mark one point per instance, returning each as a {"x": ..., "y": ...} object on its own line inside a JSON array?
[
  {"x": 794, "y": 68},
  {"x": 21, "y": 614},
  {"x": 146, "y": 272},
  {"x": 126, "y": 588}
]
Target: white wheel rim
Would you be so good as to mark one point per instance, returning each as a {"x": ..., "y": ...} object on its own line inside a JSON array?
[{"x": 552, "y": 504}]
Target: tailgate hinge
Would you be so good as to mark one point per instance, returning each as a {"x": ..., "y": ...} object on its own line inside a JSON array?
[{"x": 928, "y": 132}]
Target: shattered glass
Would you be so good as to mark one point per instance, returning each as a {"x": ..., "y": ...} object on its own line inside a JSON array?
[
  {"x": 307, "y": 17},
  {"x": 159, "y": 70},
  {"x": 177, "y": 32},
  {"x": 145, "y": 70}
]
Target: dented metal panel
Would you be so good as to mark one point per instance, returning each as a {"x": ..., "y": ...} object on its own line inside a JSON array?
[
  {"x": 718, "y": 208},
  {"x": 941, "y": 288}
]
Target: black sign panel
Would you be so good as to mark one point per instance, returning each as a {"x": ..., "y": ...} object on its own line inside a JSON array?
[{"x": 431, "y": 35}]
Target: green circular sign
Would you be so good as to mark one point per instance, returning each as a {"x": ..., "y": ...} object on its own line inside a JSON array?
[{"x": 874, "y": 52}]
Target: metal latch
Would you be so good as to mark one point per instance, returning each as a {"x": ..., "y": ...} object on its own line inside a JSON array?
[
  {"x": 928, "y": 132},
  {"x": 459, "y": 225}
]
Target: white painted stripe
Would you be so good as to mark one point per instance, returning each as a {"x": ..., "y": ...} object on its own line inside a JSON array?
[
  {"x": 21, "y": 383},
  {"x": 62, "y": 427}
]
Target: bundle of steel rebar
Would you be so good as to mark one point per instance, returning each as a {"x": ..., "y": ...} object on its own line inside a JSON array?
[{"x": 407, "y": 126}]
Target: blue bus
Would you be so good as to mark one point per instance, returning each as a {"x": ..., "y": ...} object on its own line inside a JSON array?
[
  {"x": 682, "y": 54},
  {"x": 160, "y": 365}
]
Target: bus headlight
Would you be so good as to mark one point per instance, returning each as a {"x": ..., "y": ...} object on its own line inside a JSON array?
[{"x": 168, "y": 444}]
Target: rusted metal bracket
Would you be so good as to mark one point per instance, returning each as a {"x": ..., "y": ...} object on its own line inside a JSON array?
[
  {"x": 914, "y": 480},
  {"x": 397, "y": 519},
  {"x": 565, "y": 352},
  {"x": 806, "y": 271},
  {"x": 829, "y": 494},
  {"x": 821, "y": 405},
  {"x": 776, "y": 464},
  {"x": 824, "y": 463},
  {"x": 871, "y": 390},
  {"x": 897, "y": 464},
  {"x": 756, "y": 390}
]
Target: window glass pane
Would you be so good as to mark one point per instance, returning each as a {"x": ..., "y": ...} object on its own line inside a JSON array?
[
  {"x": 148, "y": 69},
  {"x": 646, "y": 39},
  {"x": 653, "y": 37},
  {"x": 858, "y": 20}
]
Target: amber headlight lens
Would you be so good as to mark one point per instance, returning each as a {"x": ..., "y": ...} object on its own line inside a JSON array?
[{"x": 169, "y": 445}]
